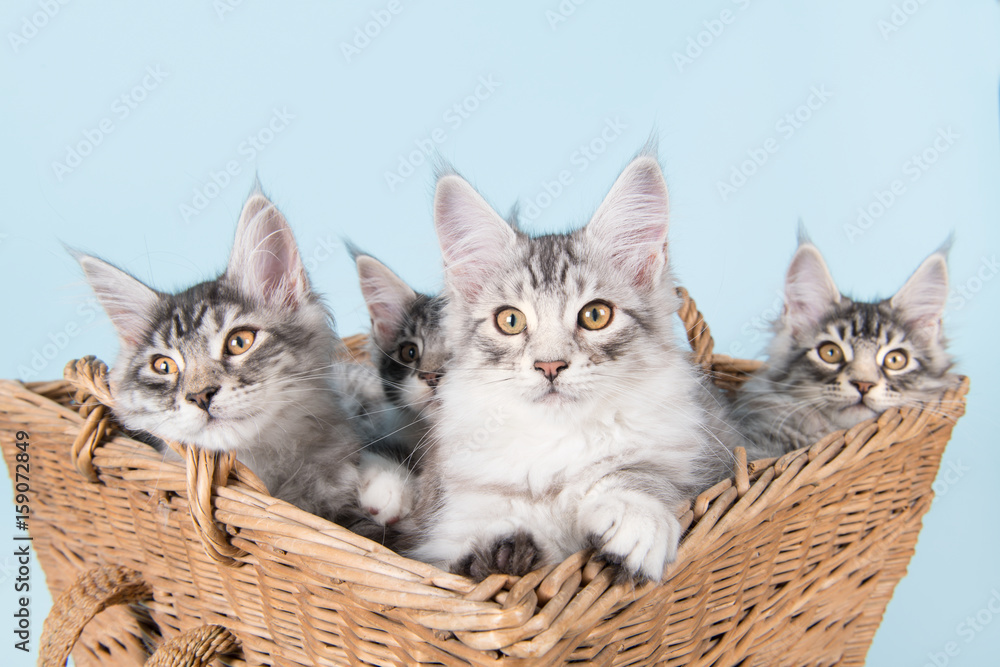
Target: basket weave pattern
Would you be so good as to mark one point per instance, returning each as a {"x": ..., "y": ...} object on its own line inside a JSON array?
[{"x": 790, "y": 562}]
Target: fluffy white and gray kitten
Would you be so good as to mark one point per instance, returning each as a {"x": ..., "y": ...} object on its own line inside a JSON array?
[
  {"x": 569, "y": 416},
  {"x": 243, "y": 363},
  {"x": 834, "y": 362},
  {"x": 391, "y": 400}
]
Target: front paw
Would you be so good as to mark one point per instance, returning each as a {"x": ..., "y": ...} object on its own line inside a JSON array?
[
  {"x": 639, "y": 534},
  {"x": 515, "y": 554},
  {"x": 385, "y": 495}
]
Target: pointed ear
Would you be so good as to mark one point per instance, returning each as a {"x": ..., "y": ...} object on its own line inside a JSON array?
[
  {"x": 631, "y": 223},
  {"x": 474, "y": 238},
  {"x": 922, "y": 299},
  {"x": 388, "y": 298},
  {"x": 265, "y": 261},
  {"x": 809, "y": 289},
  {"x": 127, "y": 301}
]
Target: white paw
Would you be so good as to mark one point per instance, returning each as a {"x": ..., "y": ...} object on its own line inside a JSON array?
[
  {"x": 634, "y": 531},
  {"x": 385, "y": 494}
]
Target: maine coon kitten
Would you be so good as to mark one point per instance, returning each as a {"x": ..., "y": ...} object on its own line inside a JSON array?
[
  {"x": 243, "y": 363},
  {"x": 834, "y": 362},
  {"x": 569, "y": 416},
  {"x": 395, "y": 400}
]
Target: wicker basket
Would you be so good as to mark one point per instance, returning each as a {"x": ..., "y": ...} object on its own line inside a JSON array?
[{"x": 790, "y": 562}]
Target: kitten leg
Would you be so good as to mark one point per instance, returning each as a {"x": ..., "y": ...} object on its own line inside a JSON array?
[
  {"x": 515, "y": 554},
  {"x": 632, "y": 530},
  {"x": 384, "y": 489}
]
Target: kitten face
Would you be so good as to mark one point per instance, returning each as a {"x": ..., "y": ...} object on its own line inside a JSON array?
[
  {"x": 224, "y": 362},
  {"x": 558, "y": 321},
  {"x": 409, "y": 348},
  {"x": 850, "y": 361}
]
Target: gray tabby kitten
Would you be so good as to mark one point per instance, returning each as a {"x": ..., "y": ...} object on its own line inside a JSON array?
[
  {"x": 835, "y": 362},
  {"x": 393, "y": 403},
  {"x": 243, "y": 363},
  {"x": 570, "y": 417}
]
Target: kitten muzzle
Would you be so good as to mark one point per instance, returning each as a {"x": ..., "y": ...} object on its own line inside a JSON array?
[{"x": 203, "y": 398}]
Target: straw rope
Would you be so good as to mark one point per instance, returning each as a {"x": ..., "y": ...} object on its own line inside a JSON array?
[
  {"x": 92, "y": 593},
  {"x": 195, "y": 648}
]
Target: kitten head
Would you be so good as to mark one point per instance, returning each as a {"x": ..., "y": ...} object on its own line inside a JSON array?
[
  {"x": 558, "y": 320},
  {"x": 407, "y": 343},
  {"x": 851, "y": 360},
  {"x": 214, "y": 365}
]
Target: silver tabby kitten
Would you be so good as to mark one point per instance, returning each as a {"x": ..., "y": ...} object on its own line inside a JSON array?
[
  {"x": 834, "y": 362},
  {"x": 569, "y": 416},
  {"x": 242, "y": 362}
]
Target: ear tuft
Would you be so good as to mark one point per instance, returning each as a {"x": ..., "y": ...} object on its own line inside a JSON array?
[
  {"x": 631, "y": 223},
  {"x": 389, "y": 299},
  {"x": 474, "y": 238},
  {"x": 809, "y": 289},
  {"x": 265, "y": 260},
  {"x": 127, "y": 301},
  {"x": 922, "y": 299}
]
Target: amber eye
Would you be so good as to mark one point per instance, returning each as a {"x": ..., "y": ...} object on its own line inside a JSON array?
[
  {"x": 830, "y": 353},
  {"x": 511, "y": 321},
  {"x": 408, "y": 352},
  {"x": 595, "y": 315},
  {"x": 895, "y": 360},
  {"x": 164, "y": 365},
  {"x": 239, "y": 342}
]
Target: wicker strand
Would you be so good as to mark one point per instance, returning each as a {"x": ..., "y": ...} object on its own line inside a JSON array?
[
  {"x": 93, "y": 592},
  {"x": 206, "y": 471},
  {"x": 93, "y": 396},
  {"x": 698, "y": 334},
  {"x": 195, "y": 648}
]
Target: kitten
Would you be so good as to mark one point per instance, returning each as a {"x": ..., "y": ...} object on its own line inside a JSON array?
[
  {"x": 569, "y": 416},
  {"x": 396, "y": 400},
  {"x": 834, "y": 362},
  {"x": 243, "y": 363}
]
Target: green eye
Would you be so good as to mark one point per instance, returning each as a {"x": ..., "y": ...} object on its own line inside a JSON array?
[
  {"x": 511, "y": 321},
  {"x": 830, "y": 353},
  {"x": 595, "y": 315}
]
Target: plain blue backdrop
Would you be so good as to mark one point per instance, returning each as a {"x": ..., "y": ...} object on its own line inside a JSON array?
[{"x": 134, "y": 131}]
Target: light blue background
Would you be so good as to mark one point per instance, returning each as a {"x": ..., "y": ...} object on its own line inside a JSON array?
[{"x": 560, "y": 84}]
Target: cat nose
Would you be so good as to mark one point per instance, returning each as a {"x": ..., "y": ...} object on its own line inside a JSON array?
[
  {"x": 863, "y": 387},
  {"x": 550, "y": 368},
  {"x": 431, "y": 378},
  {"x": 202, "y": 398}
]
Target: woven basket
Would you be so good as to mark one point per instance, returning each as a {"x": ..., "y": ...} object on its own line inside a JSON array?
[{"x": 790, "y": 562}]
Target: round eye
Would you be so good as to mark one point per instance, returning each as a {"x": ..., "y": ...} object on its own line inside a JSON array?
[
  {"x": 511, "y": 321},
  {"x": 239, "y": 342},
  {"x": 830, "y": 353},
  {"x": 408, "y": 352},
  {"x": 164, "y": 365},
  {"x": 595, "y": 315},
  {"x": 895, "y": 360}
]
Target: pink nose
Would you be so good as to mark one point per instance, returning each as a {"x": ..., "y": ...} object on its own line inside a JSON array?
[
  {"x": 550, "y": 368},
  {"x": 863, "y": 387}
]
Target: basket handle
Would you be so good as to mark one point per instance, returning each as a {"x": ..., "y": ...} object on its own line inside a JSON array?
[
  {"x": 195, "y": 648},
  {"x": 92, "y": 592},
  {"x": 698, "y": 334}
]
